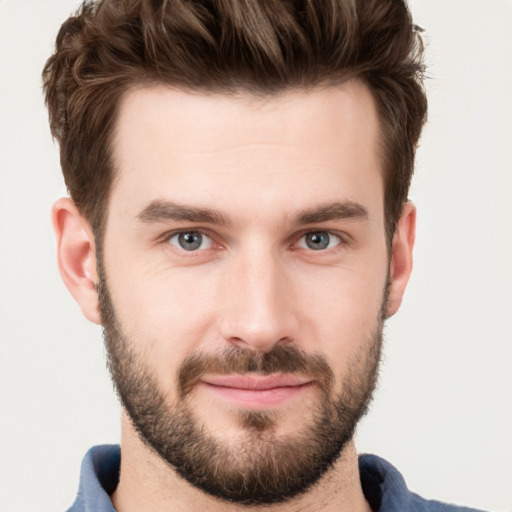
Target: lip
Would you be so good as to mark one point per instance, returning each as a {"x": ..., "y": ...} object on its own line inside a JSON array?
[
  {"x": 256, "y": 382},
  {"x": 256, "y": 391}
]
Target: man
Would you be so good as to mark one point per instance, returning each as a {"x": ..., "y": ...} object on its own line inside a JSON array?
[{"x": 239, "y": 225}]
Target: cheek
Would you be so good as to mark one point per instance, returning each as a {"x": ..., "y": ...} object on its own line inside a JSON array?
[
  {"x": 341, "y": 310},
  {"x": 164, "y": 314}
]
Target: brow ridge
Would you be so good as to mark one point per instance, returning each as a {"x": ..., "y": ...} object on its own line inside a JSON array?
[
  {"x": 339, "y": 210},
  {"x": 160, "y": 211}
]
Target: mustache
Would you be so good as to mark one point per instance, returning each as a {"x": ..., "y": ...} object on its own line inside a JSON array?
[{"x": 280, "y": 359}]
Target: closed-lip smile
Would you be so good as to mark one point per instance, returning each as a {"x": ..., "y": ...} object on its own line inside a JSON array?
[{"x": 256, "y": 391}]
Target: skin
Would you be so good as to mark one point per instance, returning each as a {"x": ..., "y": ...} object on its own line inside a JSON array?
[{"x": 261, "y": 164}]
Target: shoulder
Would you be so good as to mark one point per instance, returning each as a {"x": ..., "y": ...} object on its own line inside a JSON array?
[{"x": 386, "y": 491}]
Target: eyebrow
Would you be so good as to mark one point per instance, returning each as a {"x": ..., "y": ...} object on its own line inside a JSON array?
[
  {"x": 160, "y": 211},
  {"x": 332, "y": 211}
]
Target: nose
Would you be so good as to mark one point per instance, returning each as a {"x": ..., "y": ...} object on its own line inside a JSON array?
[{"x": 257, "y": 302}]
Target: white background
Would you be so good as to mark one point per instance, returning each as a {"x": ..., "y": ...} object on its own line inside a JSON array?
[{"x": 443, "y": 412}]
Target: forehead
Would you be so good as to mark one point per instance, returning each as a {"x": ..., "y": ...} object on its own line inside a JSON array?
[
  {"x": 209, "y": 147},
  {"x": 316, "y": 116}
]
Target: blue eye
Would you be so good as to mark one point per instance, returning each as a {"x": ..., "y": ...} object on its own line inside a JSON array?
[
  {"x": 319, "y": 240},
  {"x": 190, "y": 241}
]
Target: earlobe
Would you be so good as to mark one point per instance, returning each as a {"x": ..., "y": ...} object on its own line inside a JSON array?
[
  {"x": 76, "y": 256},
  {"x": 401, "y": 257}
]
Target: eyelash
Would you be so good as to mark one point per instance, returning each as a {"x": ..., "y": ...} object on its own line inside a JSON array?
[{"x": 341, "y": 237}]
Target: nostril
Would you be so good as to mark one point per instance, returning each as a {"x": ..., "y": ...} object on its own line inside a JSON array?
[{"x": 256, "y": 344}]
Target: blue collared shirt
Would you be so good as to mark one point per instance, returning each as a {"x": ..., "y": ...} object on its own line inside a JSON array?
[{"x": 383, "y": 486}]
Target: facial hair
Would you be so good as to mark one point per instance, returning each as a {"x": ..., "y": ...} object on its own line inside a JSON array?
[{"x": 263, "y": 467}]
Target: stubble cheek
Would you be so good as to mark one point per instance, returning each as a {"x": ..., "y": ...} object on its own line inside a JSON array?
[{"x": 169, "y": 329}]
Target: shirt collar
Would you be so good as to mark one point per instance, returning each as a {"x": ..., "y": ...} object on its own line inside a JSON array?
[{"x": 99, "y": 476}]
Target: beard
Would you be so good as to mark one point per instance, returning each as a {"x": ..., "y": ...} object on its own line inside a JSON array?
[{"x": 261, "y": 466}]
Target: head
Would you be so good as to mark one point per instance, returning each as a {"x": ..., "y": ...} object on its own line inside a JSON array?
[{"x": 239, "y": 221}]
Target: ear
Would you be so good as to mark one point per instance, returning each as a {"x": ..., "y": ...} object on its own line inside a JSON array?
[
  {"x": 76, "y": 256},
  {"x": 401, "y": 257}
]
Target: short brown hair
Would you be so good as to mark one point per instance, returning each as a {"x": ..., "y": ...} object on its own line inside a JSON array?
[{"x": 229, "y": 46}]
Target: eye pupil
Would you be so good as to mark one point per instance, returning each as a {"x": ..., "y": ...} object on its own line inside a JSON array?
[
  {"x": 317, "y": 241},
  {"x": 190, "y": 241}
]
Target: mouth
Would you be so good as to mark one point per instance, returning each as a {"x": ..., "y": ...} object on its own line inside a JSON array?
[{"x": 256, "y": 391}]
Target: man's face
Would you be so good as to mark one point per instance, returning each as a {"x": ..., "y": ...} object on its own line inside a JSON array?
[{"x": 244, "y": 274}]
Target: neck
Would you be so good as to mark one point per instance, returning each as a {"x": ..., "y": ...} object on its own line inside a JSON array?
[{"x": 150, "y": 484}]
